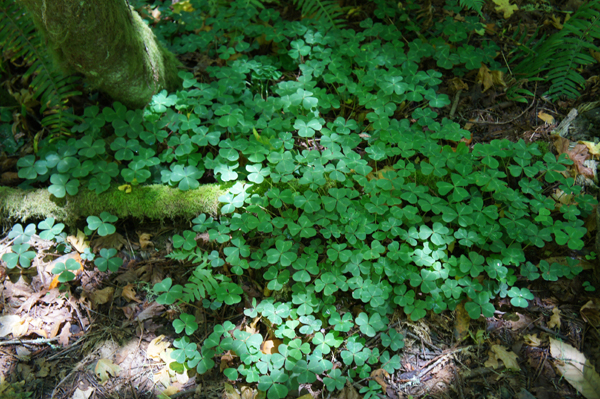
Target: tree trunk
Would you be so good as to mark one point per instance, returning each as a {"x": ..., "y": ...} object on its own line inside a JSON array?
[{"x": 109, "y": 43}]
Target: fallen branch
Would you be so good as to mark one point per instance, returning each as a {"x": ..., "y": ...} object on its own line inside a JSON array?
[{"x": 157, "y": 202}]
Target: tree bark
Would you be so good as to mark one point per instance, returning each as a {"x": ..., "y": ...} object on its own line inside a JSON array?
[{"x": 109, "y": 43}]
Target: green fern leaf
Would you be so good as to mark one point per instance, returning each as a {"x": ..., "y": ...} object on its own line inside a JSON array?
[
  {"x": 20, "y": 41},
  {"x": 321, "y": 9}
]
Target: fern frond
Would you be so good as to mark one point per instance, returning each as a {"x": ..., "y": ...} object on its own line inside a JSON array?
[
  {"x": 321, "y": 9},
  {"x": 472, "y": 5},
  {"x": 20, "y": 41},
  {"x": 558, "y": 57}
]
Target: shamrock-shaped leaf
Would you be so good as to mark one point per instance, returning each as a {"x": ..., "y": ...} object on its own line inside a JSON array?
[
  {"x": 102, "y": 223},
  {"x": 19, "y": 256},
  {"x": 519, "y": 296},
  {"x": 185, "y": 322},
  {"x": 108, "y": 260}
]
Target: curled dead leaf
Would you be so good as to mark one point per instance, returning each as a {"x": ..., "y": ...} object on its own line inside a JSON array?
[
  {"x": 380, "y": 375},
  {"x": 129, "y": 293},
  {"x": 461, "y": 324},
  {"x": 102, "y": 296},
  {"x": 230, "y": 392},
  {"x": 271, "y": 346},
  {"x": 79, "y": 241},
  {"x": 144, "y": 239},
  {"x": 590, "y": 312}
]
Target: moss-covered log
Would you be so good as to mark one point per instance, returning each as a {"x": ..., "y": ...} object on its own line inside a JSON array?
[
  {"x": 157, "y": 202},
  {"x": 109, "y": 43}
]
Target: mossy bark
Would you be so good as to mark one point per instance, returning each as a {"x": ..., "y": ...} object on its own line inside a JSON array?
[
  {"x": 156, "y": 202},
  {"x": 109, "y": 43}
]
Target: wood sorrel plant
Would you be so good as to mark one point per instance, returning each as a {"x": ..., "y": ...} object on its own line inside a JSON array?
[{"x": 338, "y": 196}]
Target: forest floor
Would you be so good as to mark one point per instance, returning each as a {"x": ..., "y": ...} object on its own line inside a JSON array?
[{"x": 106, "y": 337}]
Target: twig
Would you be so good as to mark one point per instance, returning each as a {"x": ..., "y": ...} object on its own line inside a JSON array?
[
  {"x": 505, "y": 122},
  {"x": 29, "y": 341},
  {"x": 408, "y": 333},
  {"x": 455, "y": 104}
]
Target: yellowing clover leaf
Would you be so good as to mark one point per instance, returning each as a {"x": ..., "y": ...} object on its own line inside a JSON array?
[{"x": 505, "y": 7}]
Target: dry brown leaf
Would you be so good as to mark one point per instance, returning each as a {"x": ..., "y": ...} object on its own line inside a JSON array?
[
  {"x": 461, "y": 324},
  {"x": 7, "y": 323},
  {"x": 380, "y": 173},
  {"x": 83, "y": 393},
  {"x": 549, "y": 119},
  {"x": 170, "y": 390},
  {"x": 554, "y": 319},
  {"x": 509, "y": 358},
  {"x": 114, "y": 240},
  {"x": 593, "y": 148},
  {"x": 21, "y": 327},
  {"x": 380, "y": 375},
  {"x": 65, "y": 334},
  {"x": 226, "y": 360},
  {"x": 247, "y": 392},
  {"x": 105, "y": 368},
  {"x": 144, "y": 239},
  {"x": 271, "y": 346},
  {"x": 455, "y": 84},
  {"x": 156, "y": 347},
  {"x": 230, "y": 392},
  {"x": 484, "y": 77},
  {"x": 349, "y": 392},
  {"x": 79, "y": 242},
  {"x": 129, "y": 293},
  {"x": 576, "y": 369},
  {"x": 102, "y": 296},
  {"x": 590, "y": 312},
  {"x": 579, "y": 154},
  {"x": 153, "y": 310},
  {"x": 40, "y": 332}
]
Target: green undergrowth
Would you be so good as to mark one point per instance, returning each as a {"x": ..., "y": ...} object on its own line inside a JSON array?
[{"x": 347, "y": 191}]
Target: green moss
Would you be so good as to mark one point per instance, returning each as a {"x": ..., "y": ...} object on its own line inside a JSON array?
[{"x": 155, "y": 202}]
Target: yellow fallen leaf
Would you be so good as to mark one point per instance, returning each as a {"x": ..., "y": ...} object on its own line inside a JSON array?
[
  {"x": 105, "y": 368},
  {"x": 21, "y": 327},
  {"x": 593, "y": 148},
  {"x": 505, "y": 7},
  {"x": 185, "y": 6},
  {"x": 549, "y": 119},
  {"x": 156, "y": 347},
  {"x": 271, "y": 346},
  {"x": 576, "y": 369},
  {"x": 532, "y": 340},
  {"x": 126, "y": 188},
  {"x": 79, "y": 241},
  {"x": 230, "y": 392},
  {"x": 509, "y": 358},
  {"x": 554, "y": 319}
]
